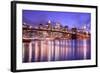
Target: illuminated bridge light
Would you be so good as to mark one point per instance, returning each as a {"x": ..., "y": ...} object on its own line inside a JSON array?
[{"x": 55, "y": 45}]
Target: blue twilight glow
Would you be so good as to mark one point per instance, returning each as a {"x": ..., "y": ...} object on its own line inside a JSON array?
[
  {"x": 43, "y": 46},
  {"x": 71, "y": 19}
]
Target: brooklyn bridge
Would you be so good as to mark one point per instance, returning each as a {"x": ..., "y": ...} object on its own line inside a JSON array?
[{"x": 55, "y": 43}]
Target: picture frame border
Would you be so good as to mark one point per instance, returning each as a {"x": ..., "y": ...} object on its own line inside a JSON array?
[{"x": 13, "y": 34}]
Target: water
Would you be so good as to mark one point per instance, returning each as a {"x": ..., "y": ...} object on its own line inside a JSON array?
[{"x": 56, "y": 50}]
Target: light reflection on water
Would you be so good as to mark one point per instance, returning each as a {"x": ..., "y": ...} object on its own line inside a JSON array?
[{"x": 56, "y": 50}]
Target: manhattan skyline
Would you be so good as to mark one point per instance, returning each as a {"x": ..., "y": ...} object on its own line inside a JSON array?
[{"x": 71, "y": 19}]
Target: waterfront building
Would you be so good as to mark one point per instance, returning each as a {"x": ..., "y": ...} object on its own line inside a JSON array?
[{"x": 47, "y": 44}]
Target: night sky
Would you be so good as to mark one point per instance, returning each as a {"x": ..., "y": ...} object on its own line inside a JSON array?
[{"x": 71, "y": 19}]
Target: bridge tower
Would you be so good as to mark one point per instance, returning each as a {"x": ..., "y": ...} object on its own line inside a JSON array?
[{"x": 74, "y": 33}]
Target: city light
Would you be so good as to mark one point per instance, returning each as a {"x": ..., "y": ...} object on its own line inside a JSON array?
[
  {"x": 56, "y": 45},
  {"x": 55, "y": 36}
]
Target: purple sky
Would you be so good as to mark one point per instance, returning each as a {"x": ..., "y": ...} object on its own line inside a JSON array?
[{"x": 72, "y": 19}]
